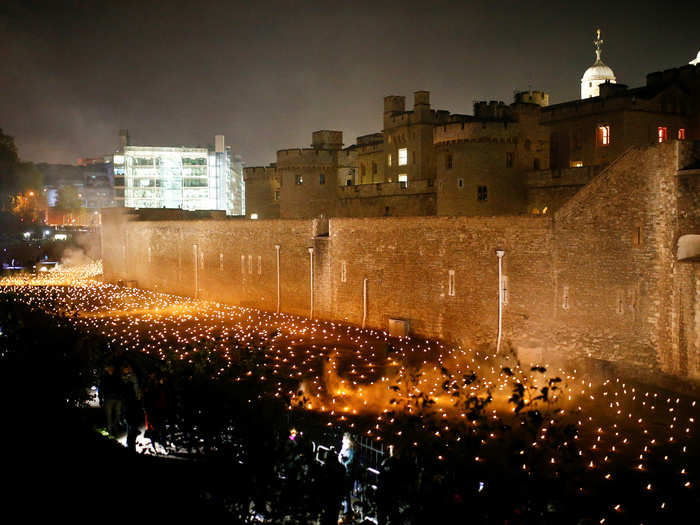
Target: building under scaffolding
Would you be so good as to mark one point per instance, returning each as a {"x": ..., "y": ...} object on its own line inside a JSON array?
[{"x": 189, "y": 178}]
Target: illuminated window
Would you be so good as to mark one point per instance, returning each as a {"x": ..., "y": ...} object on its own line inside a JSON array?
[
  {"x": 577, "y": 164},
  {"x": 388, "y": 159},
  {"x": 403, "y": 156},
  {"x": 662, "y": 134},
  {"x": 451, "y": 283},
  {"x": 254, "y": 216},
  {"x": 604, "y": 135},
  {"x": 448, "y": 161},
  {"x": 343, "y": 272},
  {"x": 403, "y": 178},
  {"x": 681, "y": 134},
  {"x": 300, "y": 179},
  {"x": 482, "y": 193}
]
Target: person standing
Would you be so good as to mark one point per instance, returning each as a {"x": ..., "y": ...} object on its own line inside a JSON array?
[
  {"x": 346, "y": 456},
  {"x": 133, "y": 414},
  {"x": 111, "y": 397}
]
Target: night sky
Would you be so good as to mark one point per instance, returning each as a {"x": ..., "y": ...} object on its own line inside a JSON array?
[{"x": 266, "y": 74}]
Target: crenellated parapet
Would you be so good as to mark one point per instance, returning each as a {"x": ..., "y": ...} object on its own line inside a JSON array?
[{"x": 469, "y": 129}]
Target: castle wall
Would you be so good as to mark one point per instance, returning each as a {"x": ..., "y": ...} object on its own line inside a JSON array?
[
  {"x": 598, "y": 279},
  {"x": 407, "y": 262},
  {"x": 308, "y": 180},
  {"x": 262, "y": 192},
  {"x": 389, "y": 199},
  {"x": 551, "y": 189},
  {"x": 618, "y": 288},
  {"x": 236, "y": 260}
]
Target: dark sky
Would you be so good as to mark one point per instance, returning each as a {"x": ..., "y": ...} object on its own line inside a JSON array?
[{"x": 266, "y": 74}]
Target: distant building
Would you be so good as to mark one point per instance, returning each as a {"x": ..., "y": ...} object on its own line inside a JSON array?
[{"x": 189, "y": 178}]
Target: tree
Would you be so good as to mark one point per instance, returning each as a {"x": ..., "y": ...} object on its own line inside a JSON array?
[
  {"x": 8, "y": 150},
  {"x": 69, "y": 200}
]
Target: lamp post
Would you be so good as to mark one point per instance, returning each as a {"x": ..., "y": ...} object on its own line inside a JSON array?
[{"x": 499, "y": 254}]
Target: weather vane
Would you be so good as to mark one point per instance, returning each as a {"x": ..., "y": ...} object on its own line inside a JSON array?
[{"x": 598, "y": 42}]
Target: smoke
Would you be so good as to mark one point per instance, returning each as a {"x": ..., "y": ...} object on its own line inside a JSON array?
[{"x": 73, "y": 257}]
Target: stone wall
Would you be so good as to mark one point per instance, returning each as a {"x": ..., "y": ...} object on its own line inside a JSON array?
[{"x": 597, "y": 280}]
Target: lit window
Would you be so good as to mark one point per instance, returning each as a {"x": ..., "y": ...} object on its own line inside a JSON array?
[
  {"x": 254, "y": 216},
  {"x": 482, "y": 193},
  {"x": 681, "y": 134},
  {"x": 300, "y": 179},
  {"x": 577, "y": 164},
  {"x": 403, "y": 178},
  {"x": 451, "y": 283},
  {"x": 388, "y": 159},
  {"x": 403, "y": 156},
  {"x": 662, "y": 134},
  {"x": 604, "y": 133}
]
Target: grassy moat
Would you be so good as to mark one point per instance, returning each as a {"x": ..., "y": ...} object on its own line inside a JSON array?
[{"x": 475, "y": 437}]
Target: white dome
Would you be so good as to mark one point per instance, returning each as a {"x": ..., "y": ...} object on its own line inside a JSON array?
[
  {"x": 599, "y": 71},
  {"x": 597, "y": 74}
]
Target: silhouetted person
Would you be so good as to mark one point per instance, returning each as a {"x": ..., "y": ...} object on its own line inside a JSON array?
[
  {"x": 332, "y": 489},
  {"x": 132, "y": 405},
  {"x": 155, "y": 407},
  {"x": 388, "y": 490},
  {"x": 111, "y": 397}
]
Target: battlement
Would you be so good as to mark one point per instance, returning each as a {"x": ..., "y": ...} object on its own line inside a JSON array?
[
  {"x": 493, "y": 109},
  {"x": 689, "y": 74},
  {"x": 539, "y": 98},
  {"x": 305, "y": 157},
  {"x": 258, "y": 172},
  {"x": 562, "y": 177},
  {"x": 386, "y": 189},
  {"x": 373, "y": 138},
  {"x": 477, "y": 130},
  {"x": 327, "y": 139}
]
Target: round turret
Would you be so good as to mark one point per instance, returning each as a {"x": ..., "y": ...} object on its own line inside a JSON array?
[{"x": 597, "y": 74}]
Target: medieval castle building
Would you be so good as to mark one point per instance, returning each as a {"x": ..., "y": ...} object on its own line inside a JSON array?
[
  {"x": 578, "y": 222},
  {"x": 526, "y": 157}
]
